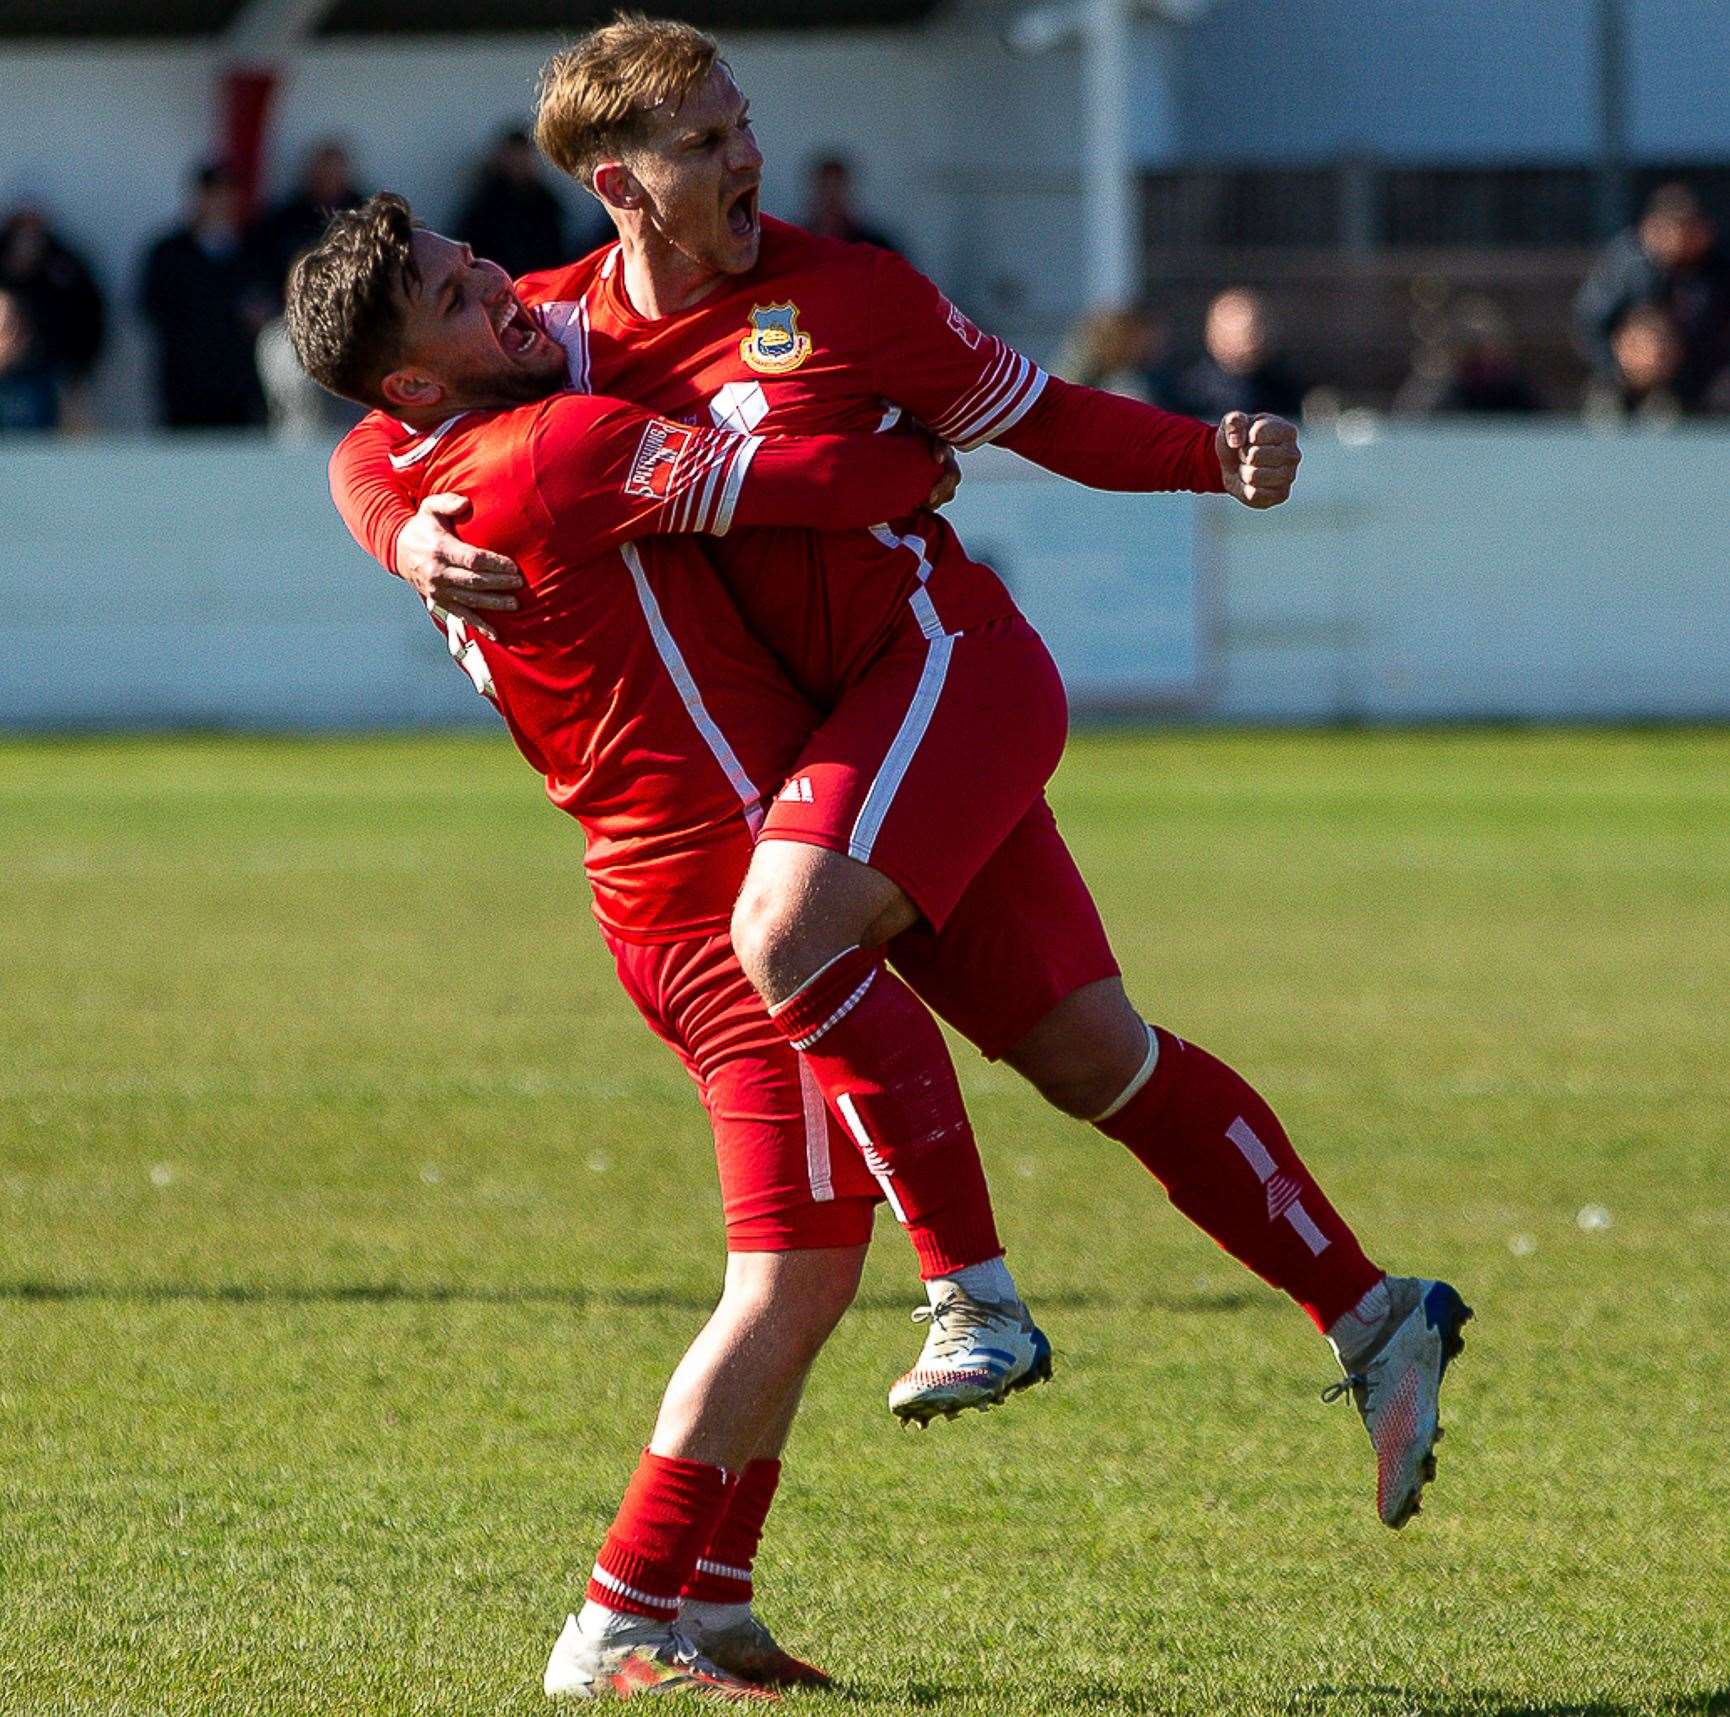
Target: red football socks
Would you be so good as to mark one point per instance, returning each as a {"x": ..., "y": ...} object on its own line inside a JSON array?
[
  {"x": 671, "y": 1511},
  {"x": 723, "y": 1573},
  {"x": 882, "y": 1064},
  {"x": 1224, "y": 1158}
]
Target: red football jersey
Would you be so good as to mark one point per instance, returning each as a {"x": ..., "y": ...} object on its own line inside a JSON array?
[
  {"x": 819, "y": 335},
  {"x": 823, "y": 335},
  {"x": 627, "y": 676}
]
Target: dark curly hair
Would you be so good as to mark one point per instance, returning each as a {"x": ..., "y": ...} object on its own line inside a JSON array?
[{"x": 345, "y": 309}]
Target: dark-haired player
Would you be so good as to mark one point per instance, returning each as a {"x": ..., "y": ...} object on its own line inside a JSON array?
[{"x": 629, "y": 681}]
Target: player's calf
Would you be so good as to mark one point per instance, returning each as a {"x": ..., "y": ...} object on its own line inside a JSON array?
[{"x": 1086, "y": 1057}]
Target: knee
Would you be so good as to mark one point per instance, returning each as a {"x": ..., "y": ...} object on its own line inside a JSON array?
[
  {"x": 1085, "y": 1052},
  {"x": 797, "y": 1298},
  {"x": 826, "y": 1298},
  {"x": 765, "y": 932},
  {"x": 1085, "y": 1090}
]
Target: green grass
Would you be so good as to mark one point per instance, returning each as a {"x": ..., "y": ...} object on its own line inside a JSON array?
[{"x": 350, "y": 1221}]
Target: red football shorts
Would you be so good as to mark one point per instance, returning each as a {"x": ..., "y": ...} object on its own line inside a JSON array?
[
  {"x": 930, "y": 760},
  {"x": 791, "y": 1180},
  {"x": 1024, "y": 935}
]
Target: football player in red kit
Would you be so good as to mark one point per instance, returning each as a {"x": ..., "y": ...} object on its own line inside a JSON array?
[
  {"x": 915, "y": 819},
  {"x": 629, "y": 681}
]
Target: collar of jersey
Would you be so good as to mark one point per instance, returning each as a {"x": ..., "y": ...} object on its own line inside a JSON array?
[{"x": 414, "y": 454}]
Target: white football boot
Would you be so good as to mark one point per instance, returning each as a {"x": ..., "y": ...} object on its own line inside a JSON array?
[
  {"x": 1396, "y": 1383},
  {"x": 655, "y": 1658},
  {"x": 976, "y": 1353},
  {"x": 737, "y": 1641}
]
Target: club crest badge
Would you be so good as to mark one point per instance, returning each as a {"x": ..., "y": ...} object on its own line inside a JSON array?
[{"x": 776, "y": 343}]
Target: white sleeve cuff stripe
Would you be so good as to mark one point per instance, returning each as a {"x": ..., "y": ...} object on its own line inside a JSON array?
[
  {"x": 702, "y": 517},
  {"x": 696, "y": 463},
  {"x": 699, "y": 461},
  {"x": 993, "y": 407},
  {"x": 989, "y": 382},
  {"x": 1008, "y": 420},
  {"x": 735, "y": 482},
  {"x": 1001, "y": 359}
]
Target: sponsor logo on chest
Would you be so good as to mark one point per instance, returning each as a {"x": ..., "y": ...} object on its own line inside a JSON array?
[{"x": 775, "y": 344}]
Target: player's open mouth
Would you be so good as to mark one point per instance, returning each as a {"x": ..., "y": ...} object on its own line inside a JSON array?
[
  {"x": 742, "y": 214},
  {"x": 517, "y": 331}
]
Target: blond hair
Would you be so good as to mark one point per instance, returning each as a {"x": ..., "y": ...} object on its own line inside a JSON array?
[{"x": 594, "y": 96}]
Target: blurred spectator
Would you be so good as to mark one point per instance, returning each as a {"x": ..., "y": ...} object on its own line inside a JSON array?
[
  {"x": 1125, "y": 351},
  {"x": 29, "y": 398},
  {"x": 830, "y": 208},
  {"x": 1649, "y": 355},
  {"x": 200, "y": 298},
  {"x": 511, "y": 216},
  {"x": 58, "y": 297},
  {"x": 1473, "y": 368},
  {"x": 296, "y": 407},
  {"x": 1671, "y": 262},
  {"x": 326, "y": 184},
  {"x": 1241, "y": 371}
]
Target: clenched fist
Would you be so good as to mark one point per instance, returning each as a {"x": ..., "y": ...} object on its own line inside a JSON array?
[{"x": 1258, "y": 456}]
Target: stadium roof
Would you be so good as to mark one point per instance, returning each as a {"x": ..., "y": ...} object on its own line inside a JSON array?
[{"x": 65, "y": 20}]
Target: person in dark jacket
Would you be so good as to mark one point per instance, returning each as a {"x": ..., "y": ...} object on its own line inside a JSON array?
[
  {"x": 1240, "y": 371},
  {"x": 297, "y": 223},
  {"x": 201, "y": 299},
  {"x": 1474, "y": 371},
  {"x": 511, "y": 216},
  {"x": 832, "y": 209},
  {"x": 1671, "y": 262},
  {"x": 29, "y": 398},
  {"x": 56, "y": 294}
]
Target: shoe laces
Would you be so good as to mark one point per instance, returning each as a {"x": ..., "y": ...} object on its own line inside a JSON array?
[
  {"x": 957, "y": 1317},
  {"x": 1351, "y": 1383},
  {"x": 682, "y": 1650}
]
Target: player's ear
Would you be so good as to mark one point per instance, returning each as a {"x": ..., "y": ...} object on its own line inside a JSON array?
[
  {"x": 411, "y": 390},
  {"x": 616, "y": 185}
]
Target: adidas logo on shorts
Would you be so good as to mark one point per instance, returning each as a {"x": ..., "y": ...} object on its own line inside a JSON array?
[{"x": 798, "y": 790}]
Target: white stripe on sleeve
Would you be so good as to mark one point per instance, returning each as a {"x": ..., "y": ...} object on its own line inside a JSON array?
[{"x": 735, "y": 482}]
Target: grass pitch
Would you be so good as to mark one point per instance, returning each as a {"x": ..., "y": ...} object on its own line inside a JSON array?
[{"x": 350, "y": 1221}]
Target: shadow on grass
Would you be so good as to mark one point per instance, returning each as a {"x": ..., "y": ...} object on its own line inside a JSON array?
[
  {"x": 1385, "y": 1700},
  {"x": 1399, "y": 1701},
  {"x": 36, "y": 1291}
]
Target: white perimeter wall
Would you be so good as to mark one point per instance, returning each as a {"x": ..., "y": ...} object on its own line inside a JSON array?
[{"x": 1424, "y": 575}]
